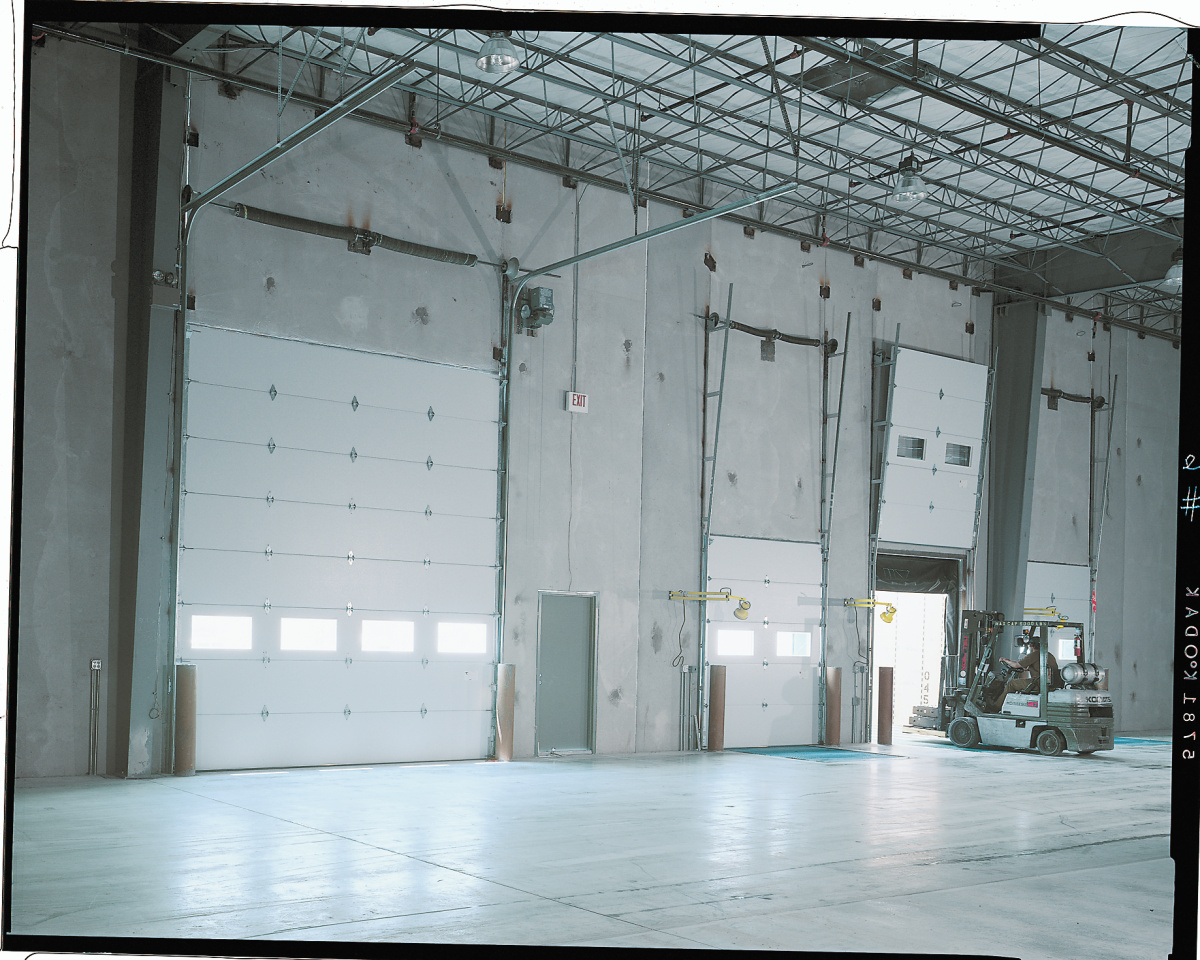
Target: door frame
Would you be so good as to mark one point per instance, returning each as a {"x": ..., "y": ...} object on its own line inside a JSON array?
[
  {"x": 958, "y": 556},
  {"x": 595, "y": 622}
]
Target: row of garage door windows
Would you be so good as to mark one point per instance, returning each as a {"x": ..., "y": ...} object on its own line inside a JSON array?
[
  {"x": 309, "y": 633},
  {"x": 740, "y": 643},
  {"x": 397, "y": 636}
]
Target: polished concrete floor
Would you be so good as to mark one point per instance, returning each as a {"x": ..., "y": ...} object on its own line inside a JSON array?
[{"x": 918, "y": 847}]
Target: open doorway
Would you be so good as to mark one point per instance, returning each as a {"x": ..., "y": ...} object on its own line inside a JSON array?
[{"x": 912, "y": 645}]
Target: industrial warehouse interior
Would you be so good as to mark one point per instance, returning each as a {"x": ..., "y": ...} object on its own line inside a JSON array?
[{"x": 550, "y": 480}]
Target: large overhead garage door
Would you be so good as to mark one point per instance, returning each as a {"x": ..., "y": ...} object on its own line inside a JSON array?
[
  {"x": 338, "y": 544},
  {"x": 933, "y": 456},
  {"x": 771, "y": 657}
]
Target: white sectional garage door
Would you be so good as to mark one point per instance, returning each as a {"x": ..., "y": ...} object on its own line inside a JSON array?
[
  {"x": 771, "y": 657},
  {"x": 338, "y": 554},
  {"x": 931, "y": 471}
]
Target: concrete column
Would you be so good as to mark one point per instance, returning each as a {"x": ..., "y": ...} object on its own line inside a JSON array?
[
  {"x": 144, "y": 625},
  {"x": 1020, "y": 337}
]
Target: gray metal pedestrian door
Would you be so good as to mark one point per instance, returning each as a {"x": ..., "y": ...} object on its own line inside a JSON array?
[{"x": 566, "y": 664}]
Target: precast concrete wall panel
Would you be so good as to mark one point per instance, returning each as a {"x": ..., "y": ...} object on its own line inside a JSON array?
[
  {"x": 1058, "y": 532},
  {"x": 575, "y": 502},
  {"x": 677, "y": 298},
  {"x": 768, "y": 454},
  {"x": 77, "y": 277},
  {"x": 263, "y": 279},
  {"x": 1146, "y": 501}
]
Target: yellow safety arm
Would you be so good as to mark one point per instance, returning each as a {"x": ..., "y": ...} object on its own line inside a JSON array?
[
  {"x": 887, "y": 614},
  {"x": 743, "y": 607}
]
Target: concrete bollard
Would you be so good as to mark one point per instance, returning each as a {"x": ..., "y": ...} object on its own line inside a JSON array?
[
  {"x": 883, "y": 733},
  {"x": 716, "y": 707},
  {"x": 833, "y": 706},
  {"x": 506, "y": 690},
  {"x": 185, "y": 719}
]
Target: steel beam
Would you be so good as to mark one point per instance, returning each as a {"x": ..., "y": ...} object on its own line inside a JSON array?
[
  {"x": 1100, "y": 75},
  {"x": 898, "y": 77},
  {"x": 364, "y": 94},
  {"x": 201, "y": 41},
  {"x": 934, "y": 135}
]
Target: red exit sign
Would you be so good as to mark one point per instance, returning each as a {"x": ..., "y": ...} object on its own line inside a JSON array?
[{"x": 577, "y": 402}]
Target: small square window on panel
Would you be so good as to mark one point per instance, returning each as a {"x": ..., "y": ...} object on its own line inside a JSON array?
[
  {"x": 795, "y": 644},
  {"x": 220, "y": 633},
  {"x": 303, "y": 633},
  {"x": 958, "y": 454},
  {"x": 735, "y": 643},
  {"x": 462, "y": 638},
  {"x": 387, "y": 636},
  {"x": 911, "y": 447},
  {"x": 1066, "y": 649}
]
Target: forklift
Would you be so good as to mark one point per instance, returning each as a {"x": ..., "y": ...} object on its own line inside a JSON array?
[{"x": 1076, "y": 714}]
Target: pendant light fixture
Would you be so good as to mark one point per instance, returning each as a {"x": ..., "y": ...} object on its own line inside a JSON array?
[
  {"x": 498, "y": 55},
  {"x": 909, "y": 188}
]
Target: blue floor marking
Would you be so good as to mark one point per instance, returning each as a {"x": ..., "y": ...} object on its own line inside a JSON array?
[{"x": 826, "y": 754}]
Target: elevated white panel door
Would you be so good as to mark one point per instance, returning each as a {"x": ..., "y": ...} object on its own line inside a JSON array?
[
  {"x": 337, "y": 562},
  {"x": 771, "y": 657},
  {"x": 932, "y": 463},
  {"x": 1067, "y": 588}
]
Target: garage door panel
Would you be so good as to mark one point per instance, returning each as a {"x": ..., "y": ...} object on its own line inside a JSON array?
[
  {"x": 284, "y": 740},
  {"x": 942, "y": 527},
  {"x": 219, "y": 467},
  {"x": 778, "y": 602},
  {"x": 954, "y": 415},
  {"x": 229, "y": 686},
  {"x": 335, "y": 374},
  {"x": 749, "y": 559},
  {"x": 772, "y": 726},
  {"x": 930, "y": 373},
  {"x": 918, "y": 486},
  {"x": 413, "y": 536},
  {"x": 245, "y": 524}
]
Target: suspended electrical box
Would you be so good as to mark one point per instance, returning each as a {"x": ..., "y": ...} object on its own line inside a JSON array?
[{"x": 536, "y": 308}]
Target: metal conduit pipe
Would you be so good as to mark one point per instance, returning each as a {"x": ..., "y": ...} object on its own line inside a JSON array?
[
  {"x": 352, "y": 234},
  {"x": 1054, "y": 394},
  {"x": 776, "y": 335}
]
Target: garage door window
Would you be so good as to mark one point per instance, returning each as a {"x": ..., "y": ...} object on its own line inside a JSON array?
[
  {"x": 387, "y": 636},
  {"x": 958, "y": 454},
  {"x": 793, "y": 644},
  {"x": 296, "y": 633},
  {"x": 735, "y": 643},
  {"x": 220, "y": 633},
  {"x": 462, "y": 638},
  {"x": 911, "y": 447}
]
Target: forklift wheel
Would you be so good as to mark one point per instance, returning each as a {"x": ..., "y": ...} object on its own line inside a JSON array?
[
  {"x": 1050, "y": 743},
  {"x": 963, "y": 732}
]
